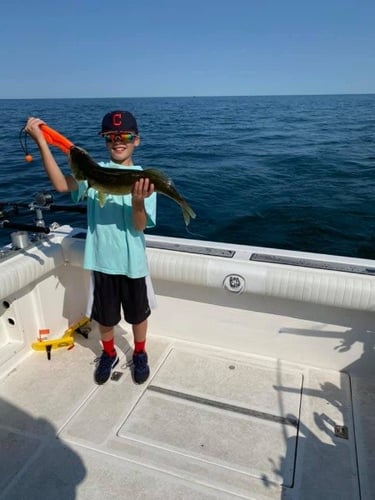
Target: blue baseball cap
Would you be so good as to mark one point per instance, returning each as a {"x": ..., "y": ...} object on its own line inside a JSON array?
[{"x": 119, "y": 121}]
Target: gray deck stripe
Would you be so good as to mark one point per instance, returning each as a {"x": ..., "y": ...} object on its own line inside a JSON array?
[
  {"x": 225, "y": 406},
  {"x": 202, "y": 250},
  {"x": 313, "y": 264}
]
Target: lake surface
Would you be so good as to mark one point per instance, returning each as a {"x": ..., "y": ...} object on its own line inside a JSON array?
[{"x": 292, "y": 172}]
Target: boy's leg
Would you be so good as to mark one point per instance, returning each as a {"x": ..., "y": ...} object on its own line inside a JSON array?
[
  {"x": 109, "y": 358},
  {"x": 106, "y": 311},
  {"x": 139, "y": 334},
  {"x": 141, "y": 369},
  {"x": 136, "y": 311},
  {"x": 108, "y": 340}
]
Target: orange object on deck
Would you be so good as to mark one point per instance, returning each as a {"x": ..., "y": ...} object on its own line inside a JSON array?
[{"x": 56, "y": 139}]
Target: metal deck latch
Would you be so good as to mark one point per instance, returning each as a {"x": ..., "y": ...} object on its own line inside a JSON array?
[
  {"x": 116, "y": 376},
  {"x": 341, "y": 431}
]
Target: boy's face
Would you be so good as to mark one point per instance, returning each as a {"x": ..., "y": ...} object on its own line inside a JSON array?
[{"x": 121, "y": 146}]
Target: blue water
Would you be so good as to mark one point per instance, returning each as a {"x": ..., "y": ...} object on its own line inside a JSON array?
[{"x": 292, "y": 172}]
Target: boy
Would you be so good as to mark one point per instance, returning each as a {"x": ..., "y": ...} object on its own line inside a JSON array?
[{"x": 115, "y": 244}]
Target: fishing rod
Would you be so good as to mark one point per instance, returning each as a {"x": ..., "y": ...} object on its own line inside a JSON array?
[
  {"x": 43, "y": 201},
  {"x": 24, "y": 227}
]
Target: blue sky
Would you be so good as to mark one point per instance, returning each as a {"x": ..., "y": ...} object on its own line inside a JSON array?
[{"x": 148, "y": 48}]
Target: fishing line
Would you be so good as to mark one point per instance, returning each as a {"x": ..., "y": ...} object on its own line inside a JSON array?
[
  {"x": 192, "y": 233},
  {"x": 23, "y": 142}
]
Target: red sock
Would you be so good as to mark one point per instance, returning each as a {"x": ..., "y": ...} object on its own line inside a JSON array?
[
  {"x": 109, "y": 346},
  {"x": 139, "y": 346}
]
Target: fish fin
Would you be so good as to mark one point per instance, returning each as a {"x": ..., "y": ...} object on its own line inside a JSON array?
[
  {"x": 155, "y": 172},
  {"x": 85, "y": 193},
  {"x": 187, "y": 212},
  {"x": 102, "y": 198}
]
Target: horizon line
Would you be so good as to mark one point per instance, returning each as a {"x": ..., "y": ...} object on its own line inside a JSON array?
[{"x": 190, "y": 96}]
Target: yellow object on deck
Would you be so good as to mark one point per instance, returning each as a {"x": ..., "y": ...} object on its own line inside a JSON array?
[{"x": 66, "y": 340}]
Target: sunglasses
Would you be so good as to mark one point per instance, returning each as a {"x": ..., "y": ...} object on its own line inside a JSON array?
[{"x": 126, "y": 137}]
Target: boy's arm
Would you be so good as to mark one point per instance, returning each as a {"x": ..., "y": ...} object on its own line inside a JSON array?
[{"x": 62, "y": 183}]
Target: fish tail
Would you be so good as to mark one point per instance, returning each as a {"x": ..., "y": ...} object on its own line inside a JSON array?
[{"x": 187, "y": 212}]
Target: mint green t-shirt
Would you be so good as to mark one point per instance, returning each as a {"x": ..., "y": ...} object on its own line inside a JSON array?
[{"x": 113, "y": 245}]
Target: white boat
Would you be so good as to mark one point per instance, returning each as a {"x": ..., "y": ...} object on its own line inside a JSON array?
[{"x": 262, "y": 378}]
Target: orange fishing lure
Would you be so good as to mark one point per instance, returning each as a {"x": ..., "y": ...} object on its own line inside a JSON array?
[
  {"x": 56, "y": 139},
  {"x": 52, "y": 137}
]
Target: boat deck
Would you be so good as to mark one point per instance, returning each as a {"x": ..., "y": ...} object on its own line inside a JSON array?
[{"x": 210, "y": 423}]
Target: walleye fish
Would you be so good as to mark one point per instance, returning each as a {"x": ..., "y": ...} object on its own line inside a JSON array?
[{"x": 120, "y": 181}]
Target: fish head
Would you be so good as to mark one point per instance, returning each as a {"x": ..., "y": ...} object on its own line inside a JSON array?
[{"x": 81, "y": 162}]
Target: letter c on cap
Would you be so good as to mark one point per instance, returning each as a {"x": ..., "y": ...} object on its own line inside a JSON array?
[{"x": 117, "y": 120}]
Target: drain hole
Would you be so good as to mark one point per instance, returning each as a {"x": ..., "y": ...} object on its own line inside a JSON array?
[
  {"x": 11, "y": 321},
  {"x": 6, "y": 304}
]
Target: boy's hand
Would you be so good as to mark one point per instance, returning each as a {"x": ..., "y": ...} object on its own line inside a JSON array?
[
  {"x": 33, "y": 128},
  {"x": 142, "y": 189}
]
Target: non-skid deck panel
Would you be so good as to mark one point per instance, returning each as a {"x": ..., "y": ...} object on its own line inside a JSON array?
[
  {"x": 14, "y": 448},
  {"x": 222, "y": 439},
  {"x": 232, "y": 380},
  {"x": 236, "y": 452},
  {"x": 61, "y": 472},
  {"x": 364, "y": 418},
  {"x": 220, "y": 411},
  {"x": 166, "y": 433}
]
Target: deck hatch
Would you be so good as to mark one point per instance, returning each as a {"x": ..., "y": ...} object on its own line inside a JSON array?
[{"x": 220, "y": 414}]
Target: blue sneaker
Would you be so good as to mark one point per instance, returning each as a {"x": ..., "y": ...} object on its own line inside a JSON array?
[
  {"x": 141, "y": 370},
  {"x": 104, "y": 368}
]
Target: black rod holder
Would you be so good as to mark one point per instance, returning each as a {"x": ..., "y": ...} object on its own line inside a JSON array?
[
  {"x": 24, "y": 227},
  {"x": 67, "y": 208}
]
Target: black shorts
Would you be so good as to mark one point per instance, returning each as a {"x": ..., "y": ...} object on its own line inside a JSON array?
[{"x": 111, "y": 291}]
